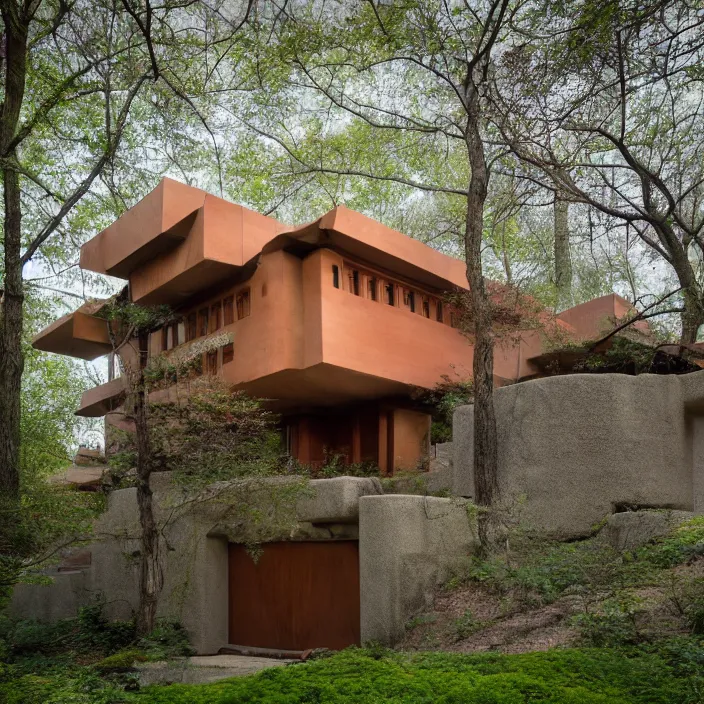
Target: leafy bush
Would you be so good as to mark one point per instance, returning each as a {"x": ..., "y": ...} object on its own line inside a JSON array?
[
  {"x": 366, "y": 677},
  {"x": 542, "y": 569},
  {"x": 89, "y": 632},
  {"x": 680, "y": 545},
  {"x": 465, "y": 625},
  {"x": 614, "y": 625},
  {"x": 168, "y": 639},
  {"x": 120, "y": 662}
]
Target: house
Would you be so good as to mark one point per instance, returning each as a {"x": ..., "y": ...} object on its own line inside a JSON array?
[{"x": 336, "y": 322}]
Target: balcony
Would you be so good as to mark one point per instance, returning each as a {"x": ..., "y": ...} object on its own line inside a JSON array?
[
  {"x": 99, "y": 400},
  {"x": 79, "y": 334}
]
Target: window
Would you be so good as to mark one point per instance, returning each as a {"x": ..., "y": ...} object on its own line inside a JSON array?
[
  {"x": 215, "y": 316},
  {"x": 228, "y": 310},
  {"x": 336, "y": 276},
  {"x": 228, "y": 353},
  {"x": 243, "y": 304},
  {"x": 371, "y": 288},
  {"x": 164, "y": 338},
  {"x": 390, "y": 294},
  {"x": 354, "y": 282},
  {"x": 203, "y": 321},
  {"x": 180, "y": 332},
  {"x": 438, "y": 312},
  {"x": 425, "y": 309},
  {"x": 212, "y": 362},
  {"x": 191, "y": 327},
  {"x": 174, "y": 334},
  {"x": 409, "y": 298}
]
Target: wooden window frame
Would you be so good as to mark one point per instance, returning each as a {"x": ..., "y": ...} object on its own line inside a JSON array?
[
  {"x": 191, "y": 326},
  {"x": 243, "y": 303},
  {"x": 203, "y": 321},
  {"x": 228, "y": 310},
  {"x": 215, "y": 321},
  {"x": 228, "y": 353}
]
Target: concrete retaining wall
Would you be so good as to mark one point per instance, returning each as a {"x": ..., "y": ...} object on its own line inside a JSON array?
[
  {"x": 573, "y": 448},
  {"x": 408, "y": 546}
]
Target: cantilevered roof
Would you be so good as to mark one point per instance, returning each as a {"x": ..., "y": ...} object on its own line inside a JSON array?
[
  {"x": 160, "y": 221},
  {"x": 363, "y": 238},
  {"x": 102, "y": 399},
  {"x": 79, "y": 334}
]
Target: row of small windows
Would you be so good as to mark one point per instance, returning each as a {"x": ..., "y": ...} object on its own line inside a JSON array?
[
  {"x": 206, "y": 320},
  {"x": 392, "y": 293}
]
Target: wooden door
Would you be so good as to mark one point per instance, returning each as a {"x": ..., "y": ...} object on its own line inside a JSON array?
[{"x": 298, "y": 595}]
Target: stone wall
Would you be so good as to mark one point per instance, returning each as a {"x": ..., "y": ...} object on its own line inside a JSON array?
[
  {"x": 573, "y": 449},
  {"x": 406, "y": 545}
]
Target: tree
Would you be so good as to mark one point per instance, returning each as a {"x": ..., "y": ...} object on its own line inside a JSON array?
[
  {"x": 203, "y": 431},
  {"x": 420, "y": 70},
  {"x": 605, "y": 108}
]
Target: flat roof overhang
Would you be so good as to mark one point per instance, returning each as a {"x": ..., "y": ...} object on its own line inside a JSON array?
[
  {"x": 365, "y": 239},
  {"x": 102, "y": 399},
  {"x": 157, "y": 223},
  {"x": 79, "y": 334}
]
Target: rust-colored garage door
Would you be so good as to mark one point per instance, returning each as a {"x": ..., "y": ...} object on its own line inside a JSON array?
[{"x": 296, "y": 596}]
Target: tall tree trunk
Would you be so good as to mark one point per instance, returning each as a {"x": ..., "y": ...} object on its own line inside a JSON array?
[
  {"x": 487, "y": 491},
  {"x": 693, "y": 315},
  {"x": 12, "y": 296},
  {"x": 563, "y": 261},
  {"x": 150, "y": 572}
]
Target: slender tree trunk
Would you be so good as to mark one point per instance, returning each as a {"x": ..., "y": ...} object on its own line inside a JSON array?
[
  {"x": 150, "y": 572},
  {"x": 563, "y": 261},
  {"x": 487, "y": 491},
  {"x": 12, "y": 295},
  {"x": 693, "y": 316}
]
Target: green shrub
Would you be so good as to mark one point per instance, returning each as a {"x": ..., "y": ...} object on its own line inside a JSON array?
[
  {"x": 122, "y": 661},
  {"x": 613, "y": 626},
  {"x": 465, "y": 625},
  {"x": 680, "y": 545},
  {"x": 168, "y": 639}
]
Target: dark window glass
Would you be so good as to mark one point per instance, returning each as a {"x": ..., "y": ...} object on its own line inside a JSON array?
[
  {"x": 390, "y": 294},
  {"x": 228, "y": 310},
  {"x": 411, "y": 301},
  {"x": 354, "y": 282},
  {"x": 203, "y": 322},
  {"x": 228, "y": 353},
  {"x": 438, "y": 312},
  {"x": 164, "y": 338},
  {"x": 215, "y": 316},
  {"x": 336, "y": 276},
  {"x": 242, "y": 304},
  {"x": 371, "y": 287},
  {"x": 192, "y": 327},
  {"x": 426, "y": 308},
  {"x": 212, "y": 362}
]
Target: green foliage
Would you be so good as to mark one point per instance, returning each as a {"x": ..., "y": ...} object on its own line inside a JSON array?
[
  {"x": 614, "y": 625},
  {"x": 465, "y": 625},
  {"x": 680, "y": 545},
  {"x": 168, "y": 639},
  {"x": 89, "y": 632},
  {"x": 441, "y": 401},
  {"x": 123, "y": 661},
  {"x": 361, "y": 676},
  {"x": 541, "y": 570}
]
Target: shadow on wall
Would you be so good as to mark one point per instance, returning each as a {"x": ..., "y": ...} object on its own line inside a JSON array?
[{"x": 575, "y": 448}]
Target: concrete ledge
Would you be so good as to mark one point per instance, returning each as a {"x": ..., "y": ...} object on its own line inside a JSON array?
[
  {"x": 632, "y": 529},
  {"x": 336, "y": 500},
  {"x": 408, "y": 545}
]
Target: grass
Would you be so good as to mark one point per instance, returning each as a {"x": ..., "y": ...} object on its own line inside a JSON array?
[{"x": 358, "y": 676}]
